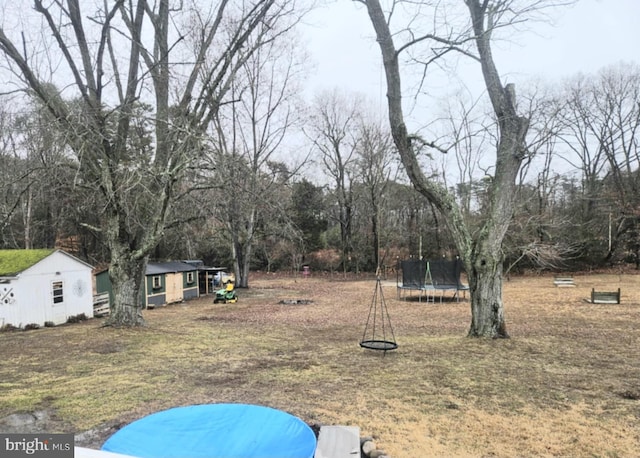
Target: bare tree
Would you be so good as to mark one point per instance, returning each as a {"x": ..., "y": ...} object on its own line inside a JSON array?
[
  {"x": 618, "y": 114},
  {"x": 34, "y": 170},
  {"x": 582, "y": 152},
  {"x": 481, "y": 250},
  {"x": 601, "y": 131},
  {"x": 15, "y": 179},
  {"x": 333, "y": 131},
  {"x": 536, "y": 234},
  {"x": 138, "y": 85},
  {"x": 251, "y": 130},
  {"x": 465, "y": 134},
  {"x": 375, "y": 170}
]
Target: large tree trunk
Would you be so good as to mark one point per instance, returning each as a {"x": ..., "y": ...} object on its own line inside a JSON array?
[
  {"x": 129, "y": 251},
  {"x": 126, "y": 275},
  {"x": 241, "y": 262},
  {"x": 242, "y": 235},
  {"x": 485, "y": 285},
  {"x": 244, "y": 268}
]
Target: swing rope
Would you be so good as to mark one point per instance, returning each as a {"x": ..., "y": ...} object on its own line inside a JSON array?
[{"x": 375, "y": 343}]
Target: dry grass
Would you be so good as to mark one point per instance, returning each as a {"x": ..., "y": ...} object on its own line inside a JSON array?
[{"x": 566, "y": 384}]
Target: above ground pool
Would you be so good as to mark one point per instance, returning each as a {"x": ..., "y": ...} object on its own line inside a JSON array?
[{"x": 215, "y": 431}]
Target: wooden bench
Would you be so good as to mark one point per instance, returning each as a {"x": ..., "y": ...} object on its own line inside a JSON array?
[
  {"x": 338, "y": 442},
  {"x": 605, "y": 297},
  {"x": 563, "y": 281}
]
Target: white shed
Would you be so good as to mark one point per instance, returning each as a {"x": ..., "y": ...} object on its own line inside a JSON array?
[{"x": 43, "y": 286}]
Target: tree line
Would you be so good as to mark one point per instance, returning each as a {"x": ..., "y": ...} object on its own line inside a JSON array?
[
  {"x": 577, "y": 206},
  {"x": 142, "y": 130}
]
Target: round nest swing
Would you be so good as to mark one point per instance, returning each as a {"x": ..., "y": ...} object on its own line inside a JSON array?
[
  {"x": 384, "y": 345},
  {"x": 378, "y": 320}
]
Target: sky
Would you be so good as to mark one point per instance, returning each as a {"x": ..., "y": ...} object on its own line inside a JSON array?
[{"x": 585, "y": 37}]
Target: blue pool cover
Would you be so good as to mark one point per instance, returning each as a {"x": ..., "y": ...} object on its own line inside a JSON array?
[{"x": 215, "y": 431}]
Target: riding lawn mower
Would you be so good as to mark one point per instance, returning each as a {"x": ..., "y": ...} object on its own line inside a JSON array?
[{"x": 227, "y": 294}]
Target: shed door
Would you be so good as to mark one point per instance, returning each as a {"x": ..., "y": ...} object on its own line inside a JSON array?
[
  {"x": 174, "y": 287},
  {"x": 57, "y": 307}
]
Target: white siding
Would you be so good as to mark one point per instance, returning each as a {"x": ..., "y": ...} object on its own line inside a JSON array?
[{"x": 33, "y": 292}]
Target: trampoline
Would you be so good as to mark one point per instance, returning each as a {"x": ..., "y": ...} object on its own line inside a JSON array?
[
  {"x": 215, "y": 431},
  {"x": 431, "y": 276}
]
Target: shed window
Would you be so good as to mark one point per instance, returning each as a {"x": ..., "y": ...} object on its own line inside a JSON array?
[
  {"x": 189, "y": 277},
  {"x": 56, "y": 289},
  {"x": 157, "y": 284}
]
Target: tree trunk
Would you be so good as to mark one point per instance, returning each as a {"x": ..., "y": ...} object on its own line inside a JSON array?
[
  {"x": 485, "y": 285},
  {"x": 28, "y": 243},
  {"x": 345, "y": 232},
  {"x": 242, "y": 266},
  {"x": 242, "y": 235},
  {"x": 376, "y": 237},
  {"x": 126, "y": 275},
  {"x": 241, "y": 261}
]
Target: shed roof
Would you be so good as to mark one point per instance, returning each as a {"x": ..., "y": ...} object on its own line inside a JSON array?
[
  {"x": 12, "y": 262},
  {"x": 155, "y": 268}
]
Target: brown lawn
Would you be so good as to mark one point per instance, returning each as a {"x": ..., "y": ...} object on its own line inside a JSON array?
[{"x": 567, "y": 383}]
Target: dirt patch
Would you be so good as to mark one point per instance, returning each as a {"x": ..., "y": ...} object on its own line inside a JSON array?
[
  {"x": 30, "y": 423},
  {"x": 295, "y": 302}
]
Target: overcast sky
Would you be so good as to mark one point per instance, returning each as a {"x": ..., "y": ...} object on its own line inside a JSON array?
[{"x": 585, "y": 37}]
